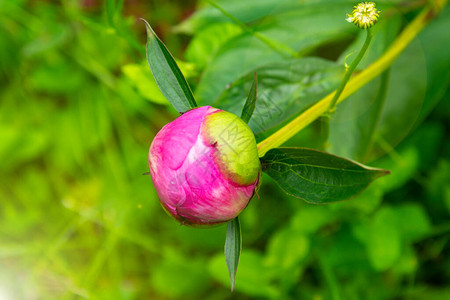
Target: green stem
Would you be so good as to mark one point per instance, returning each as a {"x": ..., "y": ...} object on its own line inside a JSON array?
[
  {"x": 350, "y": 69},
  {"x": 355, "y": 83},
  {"x": 325, "y": 119}
]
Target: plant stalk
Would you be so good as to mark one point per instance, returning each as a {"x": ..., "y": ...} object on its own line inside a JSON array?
[
  {"x": 354, "y": 84},
  {"x": 325, "y": 119},
  {"x": 349, "y": 70}
]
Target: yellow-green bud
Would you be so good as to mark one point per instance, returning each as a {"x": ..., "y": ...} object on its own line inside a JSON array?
[{"x": 364, "y": 15}]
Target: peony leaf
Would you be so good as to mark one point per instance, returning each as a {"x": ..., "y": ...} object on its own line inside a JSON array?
[
  {"x": 250, "y": 104},
  {"x": 167, "y": 74},
  {"x": 317, "y": 177},
  {"x": 285, "y": 89},
  {"x": 233, "y": 247}
]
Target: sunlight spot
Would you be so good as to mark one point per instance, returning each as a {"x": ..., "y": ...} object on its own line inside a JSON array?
[
  {"x": 67, "y": 202},
  {"x": 4, "y": 294}
]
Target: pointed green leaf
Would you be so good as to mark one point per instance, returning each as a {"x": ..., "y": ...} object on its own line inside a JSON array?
[
  {"x": 233, "y": 247},
  {"x": 317, "y": 177},
  {"x": 167, "y": 74},
  {"x": 250, "y": 104}
]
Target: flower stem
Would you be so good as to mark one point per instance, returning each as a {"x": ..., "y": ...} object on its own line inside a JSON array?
[
  {"x": 358, "y": 81},
  {"x": 350, "y": 70},
  {"x": 325, "y": 119}
]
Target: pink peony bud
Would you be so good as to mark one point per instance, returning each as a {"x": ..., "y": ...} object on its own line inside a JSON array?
[{"x": 205, "y": 166}]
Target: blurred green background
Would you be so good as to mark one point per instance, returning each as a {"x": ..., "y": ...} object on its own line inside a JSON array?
[{"x": 79, "y": 109}]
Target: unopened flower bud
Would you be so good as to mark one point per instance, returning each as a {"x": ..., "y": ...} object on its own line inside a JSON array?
[
  {"x": 364, "y": 15},
  {"x": 205, "y": 166}
]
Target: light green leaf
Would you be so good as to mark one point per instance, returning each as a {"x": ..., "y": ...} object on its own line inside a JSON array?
[
  {"x": 287, "y": 249},
  {"x": 206, "y": 43},
  {"x": 407, "y": 263},
  {"x": 255, "y": 277},
  {"x": 311, "y": 218},
  {"x": 144, "y": 82},
  {"x": 317, "y": 177},
  {"x": 383, "y": 243},
  {"x": 413, "y": 221},
  {"x": 176, "y": 276}
]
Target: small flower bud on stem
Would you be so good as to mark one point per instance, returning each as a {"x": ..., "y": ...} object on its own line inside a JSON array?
[{"x": 364, "y": 15}]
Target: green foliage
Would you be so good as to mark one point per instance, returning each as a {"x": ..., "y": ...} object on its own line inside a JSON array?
[
  {"x": 167, "y": 74},
  {"x": 302, "y": 29},
  {"x": 317, "y": 177},
  {"x": 233, "y": 248},
  {"x": 250, "y": 103},
  {"x": 79, "y": 109},
  {"x": 284, "y": 90},
  {"x": 141, "y": 77}
]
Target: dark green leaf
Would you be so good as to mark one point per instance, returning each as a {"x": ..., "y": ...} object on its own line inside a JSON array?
[
  {"x": 250, "y": 104},
  {"x": 167, "y": 74},
  {"x": 317, "y": 177},
  {"x": 301, "y": 29},
  {"x": 233, "y": 247},
  {"x": 284, "y": 90}
]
